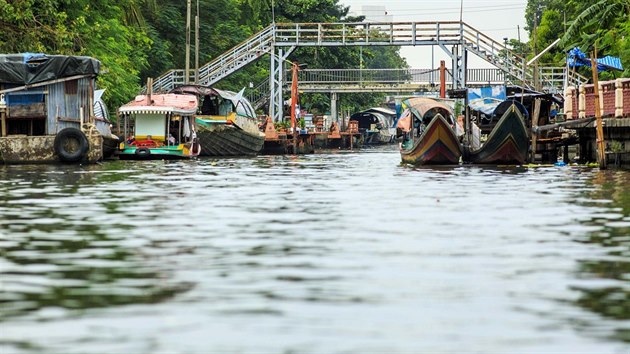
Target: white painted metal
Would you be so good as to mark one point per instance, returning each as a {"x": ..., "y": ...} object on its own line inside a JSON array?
[{"x": 280, "y": 39}]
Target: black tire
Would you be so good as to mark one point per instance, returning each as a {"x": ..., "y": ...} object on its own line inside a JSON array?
[
  {"x": 71, "y": 145},
  {"x": 143, "y": 152}
]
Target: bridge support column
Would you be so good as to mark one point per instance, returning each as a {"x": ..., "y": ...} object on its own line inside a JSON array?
[
  {"x": 334, "y": 116},
  {"x": 276, "y": 81},
  {"x": 459, "y": 64}
]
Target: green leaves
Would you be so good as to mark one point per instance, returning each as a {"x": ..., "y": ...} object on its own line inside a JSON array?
[
  {"x": 136, "y": 39},
  {"x": 604, "y": 24}
]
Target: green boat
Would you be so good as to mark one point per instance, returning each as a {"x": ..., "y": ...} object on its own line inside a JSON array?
[
  {"x": 227, "y": 123},
  {"x": 159, "y": 127}
]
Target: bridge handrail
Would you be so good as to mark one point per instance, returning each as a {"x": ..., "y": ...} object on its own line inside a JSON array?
[
  {"x": 353, "y": 33},
  {"x": 483, "y": 38},
  {"x": 358, "y": 33},
  {"x": 256, "y": 40}
]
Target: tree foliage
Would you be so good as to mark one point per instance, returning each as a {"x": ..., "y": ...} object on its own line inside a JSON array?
[
  {"x": 601, "y": 24},
  {"x": 136, "y": 39}
]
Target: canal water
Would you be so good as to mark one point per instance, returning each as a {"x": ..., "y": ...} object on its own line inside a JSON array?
[{"x": 347, "y": 252}]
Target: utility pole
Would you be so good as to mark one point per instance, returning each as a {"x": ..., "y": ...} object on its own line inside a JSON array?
[
  {"x": 537, "y": 84},
  {"x": 197, "y": 45},
  {"x": 187, "y": 70}
]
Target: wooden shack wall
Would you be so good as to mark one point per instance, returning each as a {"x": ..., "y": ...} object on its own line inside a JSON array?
[{"x": 64, "y": 102}]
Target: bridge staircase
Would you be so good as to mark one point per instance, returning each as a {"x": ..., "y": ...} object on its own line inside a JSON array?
[
  {"x": 222, "y": 66},
  {"x": 454, "y": 37},
  {"x": 550, "y": 79}
]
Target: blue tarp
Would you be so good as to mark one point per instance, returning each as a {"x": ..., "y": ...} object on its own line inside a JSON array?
[
  {"x": 486, "y": 99},
  {"x": 578, "y": 58}
]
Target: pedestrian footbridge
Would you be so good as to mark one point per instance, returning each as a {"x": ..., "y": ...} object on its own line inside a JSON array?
[{"x": 457, "y": 39}]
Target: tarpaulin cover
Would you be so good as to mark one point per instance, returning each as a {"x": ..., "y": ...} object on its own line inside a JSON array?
[
  {"x": 422, "y": 108},
  {"x": 32, "y": 68},
  {"x": 579, "y": 58},
  {"x": 486, "y": 99}
]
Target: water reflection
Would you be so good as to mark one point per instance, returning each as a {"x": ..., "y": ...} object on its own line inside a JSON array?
[
  {"x": 605, "y": 289},
  {"x": 345, "y": 252},
  {"x": 62, "y": 247}
]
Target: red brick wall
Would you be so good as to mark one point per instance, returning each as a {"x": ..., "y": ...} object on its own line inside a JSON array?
[
  {"x": 608, "y": 92},
  {"x": 589, "y": 99}
]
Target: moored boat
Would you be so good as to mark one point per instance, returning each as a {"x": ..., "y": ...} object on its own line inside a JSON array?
[
  {"x": 159, "y": 127},
  {"x": 429, "y": 137},
  {"x": 507, "y": 143},
  {"x": 376, "y": 125},
  {"x": 227, "y": 124}
]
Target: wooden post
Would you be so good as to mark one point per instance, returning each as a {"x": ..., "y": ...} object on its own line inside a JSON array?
[
  {"x": 535, "y": 117},
  {"x": 3, "y": 118},
  {"x": 442, "y": 79},
  {"x": 601, "y": 145},
  {"x": 118, "y": 118},
  {"x": 294, "y": 99}
]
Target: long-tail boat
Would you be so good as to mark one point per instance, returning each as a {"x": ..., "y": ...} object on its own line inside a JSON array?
[
  {"x": 429, "y": 135},
  {"x": 226, "y": 123},
  {"x": 159, "y": 127},
  {"x": 507, "y": 143}
]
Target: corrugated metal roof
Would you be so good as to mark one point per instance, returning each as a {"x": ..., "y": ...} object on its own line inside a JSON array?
[
  {"x": 164, "y": 103},
  {"x": 610, "y": 62},
  {"x": 579, "y": 58}
]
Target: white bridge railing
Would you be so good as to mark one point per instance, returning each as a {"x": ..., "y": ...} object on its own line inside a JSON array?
[{"x": 441, "y": 33}]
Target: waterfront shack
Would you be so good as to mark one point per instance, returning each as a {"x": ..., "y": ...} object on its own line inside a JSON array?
[{"x": 47, "y": 109}]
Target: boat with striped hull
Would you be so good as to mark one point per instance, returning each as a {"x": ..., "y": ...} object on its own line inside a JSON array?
[
  {"x": 507, "y": 144},
  {"x": 438, "y": 145}
]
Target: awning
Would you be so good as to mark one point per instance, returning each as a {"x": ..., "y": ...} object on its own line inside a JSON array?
[{"x": 578, "y": 58}]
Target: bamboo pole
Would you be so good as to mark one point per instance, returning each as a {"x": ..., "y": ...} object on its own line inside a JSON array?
[{"x": 601, "y": 144}]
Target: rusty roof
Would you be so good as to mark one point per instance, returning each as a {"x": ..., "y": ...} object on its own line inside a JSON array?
[{"x": 161, "y": 103}]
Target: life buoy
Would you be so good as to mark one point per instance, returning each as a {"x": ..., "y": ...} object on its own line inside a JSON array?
[
  {"x": 71, "y": 145},
  {"x": 143, "y": 152}
]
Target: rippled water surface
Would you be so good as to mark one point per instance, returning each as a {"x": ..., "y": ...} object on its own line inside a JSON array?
[{"x": 327, "y": 253}]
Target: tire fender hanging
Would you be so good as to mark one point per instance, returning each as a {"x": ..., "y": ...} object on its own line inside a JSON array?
[{"x": 61, "y": 145}]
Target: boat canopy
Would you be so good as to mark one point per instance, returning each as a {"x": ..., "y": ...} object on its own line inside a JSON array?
[
  {"x": 423, "y": 107},
  {"x": 239, "y": 103},
  {"x": 32, "y": 68},
  {"x": 381, "y": 110},
  {"x": 368, "y": 118},
  {"x": 161, "y": 104}
]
